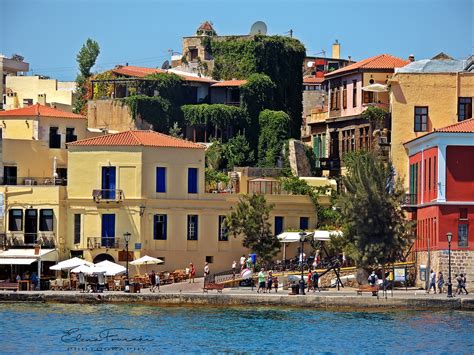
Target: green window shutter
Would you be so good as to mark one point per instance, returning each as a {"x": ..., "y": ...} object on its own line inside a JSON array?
[
  {"x": 316, "y": 146},
  {"x": 323, "y": 150}
]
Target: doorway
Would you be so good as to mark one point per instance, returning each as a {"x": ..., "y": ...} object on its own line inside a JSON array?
[{"x": 31, "y": 226}]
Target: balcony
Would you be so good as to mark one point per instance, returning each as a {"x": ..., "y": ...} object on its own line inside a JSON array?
[
  {"x": 409, "y": 202},
  {"x": 21, "y": 240},
  {"x": 99, "y": 243},
  {"x": 106, "y": 195},
  {"x": 30, "y": 181}
]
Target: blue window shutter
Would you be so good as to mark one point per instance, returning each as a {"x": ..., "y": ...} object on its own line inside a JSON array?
[
  {"x": 278, "y": 225},
  {"x": 160, "y": 179},
  {"x": 304, "y": 222},
  {"x": 192, "y": 180}
]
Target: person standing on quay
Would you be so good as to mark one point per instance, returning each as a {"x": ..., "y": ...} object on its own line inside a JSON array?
[
  {"x": 432, "y": 282},
  {"x": 440, "y": 282},
  {"x": 242, "y": 262},
  {"x": 192, "y": 272},
  {"x": 315, "y": 281},
  {"x": 459, "y": 285},
  {"x": 463, "y": 284},
  {"x": 261, "y": 281},
  {"x": 234, "y": 265},
  {"x": 206, "y": 271},
  {"x": 269, "y": 281}
]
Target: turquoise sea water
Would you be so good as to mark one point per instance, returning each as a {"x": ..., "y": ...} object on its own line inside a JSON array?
[{"x": 41, "y": 328}]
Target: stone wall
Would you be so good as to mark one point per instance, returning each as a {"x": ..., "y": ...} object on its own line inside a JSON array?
[
  {"x": 298, "y": 160},
  {"x": 462, "y": 261}
]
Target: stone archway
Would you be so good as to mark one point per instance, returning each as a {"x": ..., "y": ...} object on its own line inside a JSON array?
[{"x": 101, "y": 257}]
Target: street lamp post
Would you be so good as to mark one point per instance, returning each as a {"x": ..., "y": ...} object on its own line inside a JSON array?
[
  {"x": 302, "y": 240},
  {"x": 126, "y": 237},
  {"x": 449, "y": 235}
]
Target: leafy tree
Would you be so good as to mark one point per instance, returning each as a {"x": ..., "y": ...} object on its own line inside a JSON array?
[
  {"x": 273, "y": 133},
  {"x": 376, "y": 116},
  {"x": 176, "y": 131},
  {"x": 85, "y": 59},
  {"x": 250, "y": 219},
  {"x": 238, "y": 152},
  {"x": 214, "y": 177},
  {"x": 215, "y": 155},
  {"x": 154, "y": 110},
  {"x": 375, "y": 228}
]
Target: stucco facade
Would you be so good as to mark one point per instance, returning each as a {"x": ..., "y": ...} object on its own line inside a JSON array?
[{"x": 439, "y": 92}]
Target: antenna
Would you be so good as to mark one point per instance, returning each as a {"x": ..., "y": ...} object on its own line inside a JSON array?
[{"x": 258, "y": 28}]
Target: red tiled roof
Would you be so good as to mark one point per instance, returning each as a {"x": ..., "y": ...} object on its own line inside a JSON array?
[
  {"x": 206, "y": 26},
  {"x": 137, "y": 138},
  {"x": 229, "y": 83},
  {"x": 39, "y": 110},
  {"x": 312, "y": 80},
  {"x": 466, "y": 126},
  {"x": 381, "y": 61},
  {"x": 141, "y": 72}
]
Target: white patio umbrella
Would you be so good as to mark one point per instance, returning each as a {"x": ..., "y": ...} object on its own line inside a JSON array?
[
  {"x": 70, "y": 264},
  {"x": 375, "y": 88},
  {"x": 110, "y": 268},
  {"x": 146, "y": 260}
]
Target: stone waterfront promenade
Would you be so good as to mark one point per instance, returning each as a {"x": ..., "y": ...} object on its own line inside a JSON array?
[{"x": 192, "y": 294}]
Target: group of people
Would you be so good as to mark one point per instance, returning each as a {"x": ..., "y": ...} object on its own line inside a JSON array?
[
  {"x": 266, "y": 281},
  {"x": 313, "y": 281},
  {"x": 33, "y": 278},
  {"x": 439, "y": 281}
]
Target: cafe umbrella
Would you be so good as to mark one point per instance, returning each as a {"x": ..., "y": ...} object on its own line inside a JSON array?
[{"x": 146, "y": 260}]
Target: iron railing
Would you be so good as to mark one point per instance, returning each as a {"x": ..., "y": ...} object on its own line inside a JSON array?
[
  {"x": 99, "y": 242},
  {"x": 409, "y": 200},
  {"x": 107, "y": 195},
  {"x": 31, "y": 181},
  {"x": 20, "y": 239}
]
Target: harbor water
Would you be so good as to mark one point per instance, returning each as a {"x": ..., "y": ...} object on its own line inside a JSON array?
[{"x": 78, "y": 328}]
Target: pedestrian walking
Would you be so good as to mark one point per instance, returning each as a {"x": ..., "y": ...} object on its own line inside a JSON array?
[
  {"x": 261, "y": 281},
  {"x": 315, "y": 281},
  {"x": 275, "y": 283},
  {"x": 310, "y": 279},
  {"x": 192, "y": 272},
  {"x": 463, "y": 283},
  {"x": 206, "y": 271},
  {"x": 152, "y": 277},
  {"x": 242, "y": 262},
  {"x": 234, "y": 266},
  {"x": 440, "y": 282},
  {"x": 269, "y": 281},
  {"x": 432, "y": 282},
  {"x": 249, "y": 262},
  {"x": 459, "y": 285}
]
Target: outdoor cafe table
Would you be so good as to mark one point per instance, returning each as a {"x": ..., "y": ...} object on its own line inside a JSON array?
[{"x": 24, "y": 282}]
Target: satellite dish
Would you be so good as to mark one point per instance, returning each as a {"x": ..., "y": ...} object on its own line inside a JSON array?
[
  {"x": 165, "y": 65},
  {"x": 258, "y": 28},
  {"x": 310, "y": 64}
]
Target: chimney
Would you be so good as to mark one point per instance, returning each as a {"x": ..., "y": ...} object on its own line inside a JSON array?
[
  {"x": 336, "y": 50},
  {"x": 411, "y": 58}
]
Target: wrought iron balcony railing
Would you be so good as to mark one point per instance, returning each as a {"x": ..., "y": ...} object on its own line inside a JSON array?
[
  {"x": 20, "y": 239},
  {"x": 99, "y": 242},
  {"x": 107, "y": 195}
]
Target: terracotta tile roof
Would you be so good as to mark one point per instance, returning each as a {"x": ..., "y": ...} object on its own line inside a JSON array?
[
  {"x": 382, "y": 61},
  {"x": 137, "y": 138},
  {"x": 312, "y": 80},
  {"x": 141, "y": 72},
  {"x": 206, "y": 26},
  {"x": 39, "y": 110},
  {"x": 466, "y": 126},
  {"x": 227, "y": 83}
]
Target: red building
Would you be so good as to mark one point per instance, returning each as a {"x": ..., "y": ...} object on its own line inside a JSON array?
[{"x": 441, "y": 198}]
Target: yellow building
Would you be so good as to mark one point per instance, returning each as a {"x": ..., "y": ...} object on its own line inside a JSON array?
[
  {"x": 152, "y": 186},
  {"x": 426, "y": 95},
  {"x": 22, "y": 91}
]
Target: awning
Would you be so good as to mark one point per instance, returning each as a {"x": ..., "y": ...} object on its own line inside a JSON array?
[
  {"x": 292, "y": 237},
  {"x": 375, "y": 88},
  {"x": 16, "y": 261},
  {"x": 43, "y": 255}
]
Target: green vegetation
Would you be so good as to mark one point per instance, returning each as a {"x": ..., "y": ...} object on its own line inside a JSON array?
[
  {"x": 85, "y": 59},
  {"x": 273, "y": 133},
  {"x": 250, "y": 220},
  {"x": 154, "y": 110},
  {"x": 176, "y": 131},
  {"x": 281, "y": 58},
  {"x": 375, "y": 228},
  {"x": 103, "y": 89},
  {"x": 238, "y": 152},
  {"x": 376, "y": 116},
  {"x": 214, "y": 177}
]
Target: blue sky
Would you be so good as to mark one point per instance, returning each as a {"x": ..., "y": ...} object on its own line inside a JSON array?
[{"x": 49, "y": 33}]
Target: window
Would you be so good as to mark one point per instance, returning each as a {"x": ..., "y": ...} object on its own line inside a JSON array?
[
  {"x": 54, "y": 138},
  {"x": 159, "y": 226},
  {"x": 413, "y": 183},
  {"x": 463, "y": 214},
  {"x": 15, "y": 220},
  {"x": 209, "y": 259},
  {"x": 193, "y": 53},
  {"x": 46, "y": 220},
  {"x": 462, "y": 235},
  {"x": 421, "y": 118},
  {"x": 434, "y": 173},
  {"x": 223, "y": 232},
  {"x": 192, "y": 227},
  {"x": 364, "y": 142},
  {"x": 278, "y": 225},
  {"x": 464, "y": 108},
  {"x": 108, "y": 230},
  {"x": 354, "y": 93},
  {"x": 27, "y": 102},
  {"x": 160, "y": 179},
  {"x": 368, "y": 97},
  {"x": 234, "y": 95},
  {"x": 304, "y": 223},
  {"x": 70, "y": 136},
  {"x": 192, "y": 180},
  {"x": 9, "y": 175},
  {"x": 338, "y": 99},
  {"x": 77, "y": 228},
  {"x": 344, "y": 95}
]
